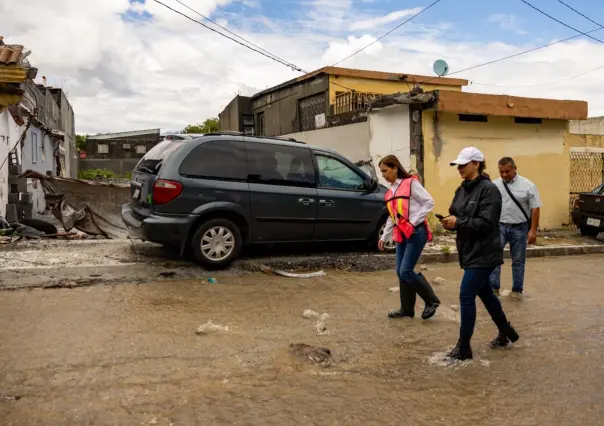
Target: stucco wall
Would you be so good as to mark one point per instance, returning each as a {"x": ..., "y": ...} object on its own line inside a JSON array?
[
  {"x": 352, "y": 141},
  {"x": 594, "y": 141},
  {"x": 590, "y": 126},
  {"x": 390, "y": 134},
  {"x": 539, "y": 150}
]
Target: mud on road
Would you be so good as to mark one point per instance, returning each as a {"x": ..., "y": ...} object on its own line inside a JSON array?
[{"x": 128, "y": 354}]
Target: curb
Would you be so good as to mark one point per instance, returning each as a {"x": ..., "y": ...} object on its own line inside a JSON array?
[{"x": 384, "y": 261}]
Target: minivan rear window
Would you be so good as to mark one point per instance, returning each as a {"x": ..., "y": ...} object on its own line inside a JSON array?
[{"x": 152, "y": 161}]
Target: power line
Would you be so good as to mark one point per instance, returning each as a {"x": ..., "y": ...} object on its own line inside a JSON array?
[
  {"x": 255, "y": 48},
  {"x": 541, "y": 84},
  {"x": 560, "y": 22},
  {"x": 293, "y": 66},
  {"x": 576, "y": 11},
  {"x": 524, "y": 52},
  {"x": 387, "y": 34},
  {"x": 282, "y": 62}
]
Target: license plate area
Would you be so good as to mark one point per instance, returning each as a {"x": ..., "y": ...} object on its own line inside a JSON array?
[
  {"x": 137, "y": 191},
  {"x": 593, "y": 222}
]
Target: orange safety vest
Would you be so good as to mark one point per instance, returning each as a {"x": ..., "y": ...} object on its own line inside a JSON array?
[{"x": 398, "y": 208}]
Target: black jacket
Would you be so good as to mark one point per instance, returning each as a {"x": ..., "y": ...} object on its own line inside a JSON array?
[{"x": 477, "y": 206}]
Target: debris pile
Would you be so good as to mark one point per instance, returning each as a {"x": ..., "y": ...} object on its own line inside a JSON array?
[{"x": 312, "y": 354}]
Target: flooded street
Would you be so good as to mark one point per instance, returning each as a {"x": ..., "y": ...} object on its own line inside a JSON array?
[{"x": 128, "y": 354}]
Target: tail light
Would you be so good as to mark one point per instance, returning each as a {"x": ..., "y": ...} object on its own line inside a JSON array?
[
  {"x": 165, "y": 191},
  {"x": 576, "y": 204}
]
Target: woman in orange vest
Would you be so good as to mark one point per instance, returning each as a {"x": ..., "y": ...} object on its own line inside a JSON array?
[{"x": 408, "y": 205}]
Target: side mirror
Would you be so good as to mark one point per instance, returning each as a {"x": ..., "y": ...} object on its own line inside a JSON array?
[{"x": 371, "y": 184}]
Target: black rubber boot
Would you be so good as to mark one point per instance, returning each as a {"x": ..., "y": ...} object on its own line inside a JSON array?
[
  {"x": 408, "y": 297},
  {"x": 461, "y": 351},
  {"x": 399, "y": 313},
  {"x": 425, "y": 291},
  {"x": 501, "y": 341},
  {"x": 509, "y": 332},
  {"x": 506, "y": 335}
]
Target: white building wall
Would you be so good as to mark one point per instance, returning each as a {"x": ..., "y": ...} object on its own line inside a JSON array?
[
  {"x": 351, "y": 141},
  {"x": 9, "y": 135},
  {"x": 390, "y": 133}
]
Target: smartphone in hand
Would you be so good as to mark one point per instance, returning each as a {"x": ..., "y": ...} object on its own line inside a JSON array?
[{"x": 439, "y": 216}]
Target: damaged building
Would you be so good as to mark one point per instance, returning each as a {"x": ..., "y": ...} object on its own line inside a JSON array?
[{"x": 36, "y": 133}]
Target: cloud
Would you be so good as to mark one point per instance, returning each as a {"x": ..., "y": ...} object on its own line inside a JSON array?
[
  {"x": 380, "y": 21},
  {"x": 168, "y": 72},
  {"x": 507, "y": 22}
]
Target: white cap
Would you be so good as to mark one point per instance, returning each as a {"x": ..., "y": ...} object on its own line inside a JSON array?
[{"x": 467, "y": 155}]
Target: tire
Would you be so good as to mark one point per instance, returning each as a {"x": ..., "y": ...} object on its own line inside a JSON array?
[
  {"x": 589, "y": 231},
  {"x": 230, "y": 239},
  {"x": 40, "y": 225},
  {"x": 390, "y": 245}
]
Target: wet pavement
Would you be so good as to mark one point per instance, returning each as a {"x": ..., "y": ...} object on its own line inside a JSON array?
[{"x": 128, "y": 354}]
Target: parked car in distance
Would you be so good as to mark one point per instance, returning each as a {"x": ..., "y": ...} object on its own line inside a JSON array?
[
  {"x": 588, "y": 212},
  {"x": 221, "y": 191}
]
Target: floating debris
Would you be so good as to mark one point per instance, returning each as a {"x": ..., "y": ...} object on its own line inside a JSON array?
[
  {"x": 439, "y": 281},
  {"x": 210, "y": 327},
  {"x": 321, "y": 329},
  {"x": 294, "y": 275},
  {"x": 394, "y": 290},
  {"x": 167, "y": 274},
  {"x": 309, "y": 313},
  {"x": 212, "y": 280}
]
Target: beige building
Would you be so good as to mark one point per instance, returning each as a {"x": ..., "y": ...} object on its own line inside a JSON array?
[{"x": 426, "y": 130}]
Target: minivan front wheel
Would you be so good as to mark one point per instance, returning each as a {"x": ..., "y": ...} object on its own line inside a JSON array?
[{"x": 216, "y": 243}]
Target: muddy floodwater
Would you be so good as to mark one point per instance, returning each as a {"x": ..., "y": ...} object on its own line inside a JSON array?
[{"x": 128, "y": 354}]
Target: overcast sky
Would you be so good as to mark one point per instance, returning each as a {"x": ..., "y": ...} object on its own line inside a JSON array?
[{"x": 133, "y": 64}]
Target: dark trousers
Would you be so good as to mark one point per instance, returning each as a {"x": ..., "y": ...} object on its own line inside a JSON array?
[
  {"x": 475, "y": 282},
  {"x": 411, "y": 283}
]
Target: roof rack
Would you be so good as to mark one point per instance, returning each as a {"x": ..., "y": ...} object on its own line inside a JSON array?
[
  {"x": 281, "y": 138},
  {"x": 225, "y": 133}
]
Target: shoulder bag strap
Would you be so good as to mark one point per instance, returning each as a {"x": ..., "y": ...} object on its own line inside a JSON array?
[{"x": 507, "y": 188}]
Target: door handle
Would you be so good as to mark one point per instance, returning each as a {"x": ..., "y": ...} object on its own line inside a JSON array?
[
  {"x": 327, "y": 203},
  {"x": 306, "y": 201}
]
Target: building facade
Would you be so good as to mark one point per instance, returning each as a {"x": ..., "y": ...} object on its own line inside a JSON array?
[
  {"x": 324, "y": 98},
  {"x": 117, "y": 152}
]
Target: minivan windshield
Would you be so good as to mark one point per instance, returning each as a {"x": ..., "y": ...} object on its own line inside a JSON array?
[{"x": 152, "y": 161}]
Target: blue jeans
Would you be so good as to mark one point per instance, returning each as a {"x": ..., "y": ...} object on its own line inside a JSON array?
[
  {"x": 412, "y": 284},
  {"x": 517, "y": 237},
  {"x": 475, "y": 282},
  {"x": 408, "y": 253}
]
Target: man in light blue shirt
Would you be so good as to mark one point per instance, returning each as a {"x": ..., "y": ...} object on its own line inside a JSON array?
[{"x": 519, "y": 221}]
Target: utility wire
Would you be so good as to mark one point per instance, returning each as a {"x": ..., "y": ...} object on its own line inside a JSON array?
[
  {"x": 576, "y": 11},
  {"x": 282, "y": 62},
  {"x": 560, "y": 22},
  {"x": 510, "y": 56},
  {"x": 540, "y": 84},
  {"x": 386, "y": 34},
  {"x": 255, "y": 48},
  {"x": 293, "y": 66}
]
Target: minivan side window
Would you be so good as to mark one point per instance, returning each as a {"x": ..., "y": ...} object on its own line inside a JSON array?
[
  {"x": 222, "y": 160},
  {"x": 334, "y": 174},
  {"x": 280, "y": 165}
]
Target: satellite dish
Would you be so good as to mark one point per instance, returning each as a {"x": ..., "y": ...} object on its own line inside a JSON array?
[{"x": 441, "y": 68}]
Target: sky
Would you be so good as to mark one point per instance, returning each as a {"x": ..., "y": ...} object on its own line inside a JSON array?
[{"x": 134, "y": 64}]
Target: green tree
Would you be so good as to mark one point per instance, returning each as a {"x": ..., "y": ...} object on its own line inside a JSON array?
[
  {"x": 81, "y": 142},
  {"x": 209, "y": 126}
]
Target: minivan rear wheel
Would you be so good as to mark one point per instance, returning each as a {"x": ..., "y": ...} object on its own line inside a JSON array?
[{"x": 216, "y": 243}]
